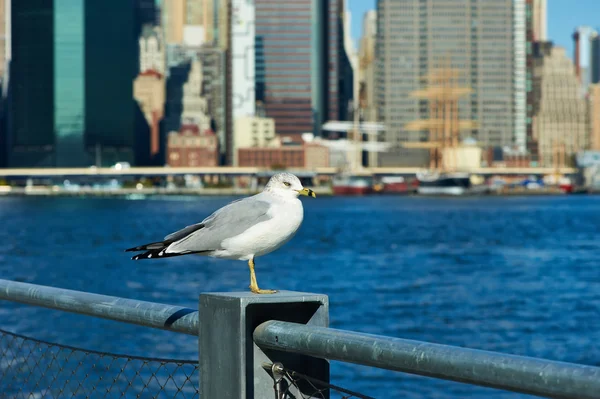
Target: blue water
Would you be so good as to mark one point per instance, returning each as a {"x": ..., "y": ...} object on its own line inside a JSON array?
[{"x": 518, "y": 275}]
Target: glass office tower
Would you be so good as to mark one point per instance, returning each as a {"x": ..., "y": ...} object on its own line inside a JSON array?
[{"x": 73, "y": 64}]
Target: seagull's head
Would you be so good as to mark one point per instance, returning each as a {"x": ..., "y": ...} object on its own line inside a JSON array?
[{"x": 288, "y": 185}]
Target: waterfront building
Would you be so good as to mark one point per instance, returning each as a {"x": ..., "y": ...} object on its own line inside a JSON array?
[
  {"x": 254, "y": 131},
  {"x": 306, "y": 155},
  {"x": 192, "y": 147}
]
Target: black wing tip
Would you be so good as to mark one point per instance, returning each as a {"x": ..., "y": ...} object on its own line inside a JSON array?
[{"x": 148, "y": 255}]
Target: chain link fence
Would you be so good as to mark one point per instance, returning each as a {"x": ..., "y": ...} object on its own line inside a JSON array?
[{"x": 32, "y": 369}]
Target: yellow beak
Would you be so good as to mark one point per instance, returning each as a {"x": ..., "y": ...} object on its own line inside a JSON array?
[{"x": 307, "y": 192}]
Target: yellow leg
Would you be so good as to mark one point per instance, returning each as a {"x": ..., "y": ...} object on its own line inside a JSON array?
[{"x": 253, "y": 284}]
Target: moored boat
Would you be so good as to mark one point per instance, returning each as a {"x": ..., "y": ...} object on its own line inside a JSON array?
[
  {"x": 395, "y": 185},
  {"x": 352, "y": 185}
]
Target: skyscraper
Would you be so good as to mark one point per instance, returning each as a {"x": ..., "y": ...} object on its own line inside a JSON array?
[
  {"x": 173, "y": 20},
  {"x": 538, "y": 14},
  {"x": 535, "y": 31},
  {"x": 301, "y": 65},
  {"x": 595, "y": 60},
  {"x": 146, "y": 14},
  {"x": 71, "y": 92},
  {"x": 561, "y": 121},
  {"x": 583, "y": 38},
  {"x": 416, "y": 37},
  {"x": 520, "y": 75},
  {"x": 189, "y": 22},
  {"x": 3, "y": 35},
  {"x": 366, "y": 70},
  {"x": 242, "y": 59}
]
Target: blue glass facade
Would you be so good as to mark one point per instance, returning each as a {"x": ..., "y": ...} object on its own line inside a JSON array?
[
  {"x": 69, "y": 79},
  {"x": 72, "y": 74}
]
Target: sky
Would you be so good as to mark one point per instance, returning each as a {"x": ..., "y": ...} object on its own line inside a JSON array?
[{"x": 563, "y": 17}]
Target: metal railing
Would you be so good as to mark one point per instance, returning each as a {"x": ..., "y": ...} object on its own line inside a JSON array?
[
  {"x": 148, "y": 314},
  {"x": 477, "y": 367},
  {"x": 261, "y": 346}
]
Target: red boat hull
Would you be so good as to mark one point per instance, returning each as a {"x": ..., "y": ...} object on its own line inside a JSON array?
[
  {"x": 351, "y": 190},
  {"x": 396, "y": 188},
  {"x": 566, "y": 188}
]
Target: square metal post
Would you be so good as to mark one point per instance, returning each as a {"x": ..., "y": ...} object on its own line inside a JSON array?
[{"x": 230, "y": 362}]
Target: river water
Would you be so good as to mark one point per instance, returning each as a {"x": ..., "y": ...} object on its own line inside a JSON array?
[{"x": 518, "y": 275}]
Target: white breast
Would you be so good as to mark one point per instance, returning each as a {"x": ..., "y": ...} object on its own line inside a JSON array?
[{"x": 287, "y": 215}]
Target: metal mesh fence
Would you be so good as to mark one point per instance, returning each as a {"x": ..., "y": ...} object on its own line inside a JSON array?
[
  {"x": 307, "y": 387},
  {"x": 31, "y": 368}
]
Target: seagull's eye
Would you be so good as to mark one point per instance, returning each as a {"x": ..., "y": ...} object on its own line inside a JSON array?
[{"x": 287, "y": 184}]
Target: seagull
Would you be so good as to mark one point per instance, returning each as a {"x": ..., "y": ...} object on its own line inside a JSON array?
[{"x": 244, "y": 229}]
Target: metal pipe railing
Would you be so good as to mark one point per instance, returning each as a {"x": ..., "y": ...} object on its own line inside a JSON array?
[
  {"x": 148, "y": 314},
  {"x": 491, "y": 369}
]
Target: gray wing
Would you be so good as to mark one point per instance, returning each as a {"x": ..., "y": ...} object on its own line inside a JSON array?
[{"x": 229, "y": 221}]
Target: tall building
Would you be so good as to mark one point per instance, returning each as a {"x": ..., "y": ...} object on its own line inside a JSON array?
[
  {"x": 560, "y": 113},
  {"x": 538, "y": 13},
  {"x": 535, "y": 31},
  {"x": 146, "y": 13},
  {"x": 366, "y": 72},
  {"x": 174, "y": 20},
  {"x": 301, "y": 66},
  {"x": 595, "y": 61},
  {"x": 210, "y": 89},
  {"x": 594, "y": 113},
  {"x": 152, "y": 50},
  {"x": 366, "y": 67},
  {"x": 416, "y": 38},
  {"x": 149, "y": 92},
  {"x": 202, "y": 13},
  {"x": 4, "y": 62},
  {"x": 242, "y": 59},
  {"x": 339, "y": 73},
  {"x": 71, "y": 91},
  {"x": 583, "y": 39},
  {"x": 194, "y": 104},
  {"x": 520, "y": 76},
  {"x": 190, "y": 22},
  {"x": 222, "y": 36},
  {"x": 4, "y": 5}
]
